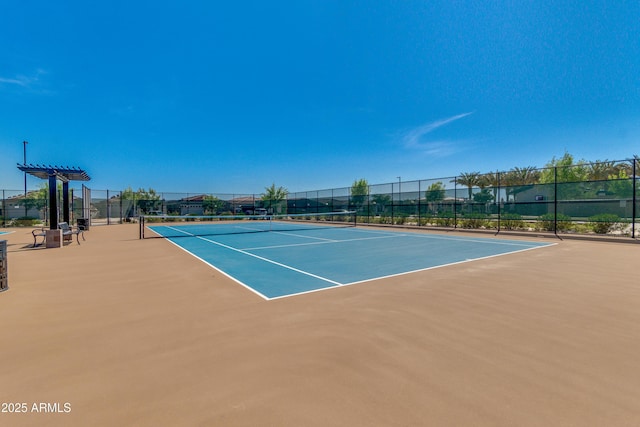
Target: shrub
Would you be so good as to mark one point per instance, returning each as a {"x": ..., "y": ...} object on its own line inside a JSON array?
[
  {"x": 445, "y": 219},
  {"x": 512, "y": 221},
  {"x": 546, "y": 222},
  {"x": 474, "y": 221},
  {"x": 400, "y": 220},
  {"x": 384, "y": 219},
  {"x": 25, "y": 221},
  {"x": 604, "y": 223},
  {"x": 425, "y": 220}
]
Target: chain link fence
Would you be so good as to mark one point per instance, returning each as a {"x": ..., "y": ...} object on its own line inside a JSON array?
[{"x": 591, "y": 198}]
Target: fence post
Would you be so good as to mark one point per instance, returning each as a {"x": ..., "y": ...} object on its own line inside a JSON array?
[
  {"x": 419, "y": 198},
  {"x": 633, "y": 208},
  {"x": 392, "y": 205},
  {"x": 498, "y": 201},
  {"x": 368, "y": 204},
  {"x": 333, "y": 202},
  {"x": 455, "y": 202},
  {"x": 555, "y": 200}
]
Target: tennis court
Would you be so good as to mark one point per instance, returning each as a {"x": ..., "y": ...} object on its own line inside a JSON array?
[
  {"x": 116, "y": 320},
  {"x": 296, "y": 258}
]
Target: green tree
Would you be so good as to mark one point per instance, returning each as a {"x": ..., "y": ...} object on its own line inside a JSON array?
[
  {"x": 600, "y": 170},
  {"x": 38, "y": 199},
  {"x": 483, "y": 196},
  {"x": 359, "y": 192},
  {"x": 434, "y": 194},
  {"x": 273, "y": 197},
  {"x": 470, "y": 180},
  {"x": 380, "y": 202},
  {"x": 571, "y": 176},
  {"x": 142, "y": 201},
  {"x": 212, "y": 205},
  {"x": 493, "y": 181},
  {"x": 520, "y": 179},
  {"x": 620, "y": 184},
  {"x": 627, "y": 166},
  {"x": 568, "y": 170}
]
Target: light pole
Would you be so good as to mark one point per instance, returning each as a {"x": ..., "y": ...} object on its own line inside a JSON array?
[{"x": 24, "y": 148}]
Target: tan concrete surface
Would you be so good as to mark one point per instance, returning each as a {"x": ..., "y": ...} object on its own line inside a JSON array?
[{"x": 123, "y": 332}]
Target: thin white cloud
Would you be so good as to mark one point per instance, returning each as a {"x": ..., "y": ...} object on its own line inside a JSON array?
[
  {"x": 414, "y": 139},
  {"x": 20, "y": 82},
  {"x": 23, "y": 81}
]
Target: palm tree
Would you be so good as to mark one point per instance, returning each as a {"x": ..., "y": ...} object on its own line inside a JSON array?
[
  {"x": 601, "y": 170},
  {"x": 469, "y": 179},
  {"x": 627, "y": 168},
  {"x": 492, "y": 179},
  {"x": 519, "y": 179},
  {"x": 527, "y": 175},
  {"x": 273, "y": 196}
]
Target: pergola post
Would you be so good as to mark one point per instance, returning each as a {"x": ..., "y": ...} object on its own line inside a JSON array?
[
  {"x": 53, "y": 202},
  {"x": 65, "y": 202}
]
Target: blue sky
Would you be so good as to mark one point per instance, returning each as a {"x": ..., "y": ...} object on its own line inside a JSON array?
[{"x": 230, "y": 97}]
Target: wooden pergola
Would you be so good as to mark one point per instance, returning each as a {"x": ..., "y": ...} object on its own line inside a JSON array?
[{"x": 53, "y": 174}]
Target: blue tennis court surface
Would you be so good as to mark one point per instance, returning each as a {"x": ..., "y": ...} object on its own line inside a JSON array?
[{"x": 278, "y": 264}]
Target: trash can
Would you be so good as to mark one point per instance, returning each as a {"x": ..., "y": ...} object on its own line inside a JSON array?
[
  {"x": 83, "y": 224},
  {"x": 4, "y": 274}
]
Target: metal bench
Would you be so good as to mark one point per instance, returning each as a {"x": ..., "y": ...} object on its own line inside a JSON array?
[
  {"x": 38, "y": 233},
  {"x": 68, "y": 232}
]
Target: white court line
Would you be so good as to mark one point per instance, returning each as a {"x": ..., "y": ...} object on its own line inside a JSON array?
[
  {"x": 305, "y": 237},
  {"x": 448, "y": 264},
  {"x": 219, "y": 270},
  {"x": 414, "y": 271},
  {"x": 318, "y": 243},
  {"x": 252, "y": 229},
  {"x": 261, "y": 258},
  {"x": 488, "y": 240},
  {"x": 385, "y": 235}
]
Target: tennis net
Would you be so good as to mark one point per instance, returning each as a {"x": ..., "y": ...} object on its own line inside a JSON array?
[{"x": 170, "y": 226}]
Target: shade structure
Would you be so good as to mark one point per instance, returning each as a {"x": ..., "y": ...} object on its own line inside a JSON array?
[{"x": 53, "y": 174}]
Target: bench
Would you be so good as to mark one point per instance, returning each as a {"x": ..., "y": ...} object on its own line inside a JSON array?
[
  {"x": 68, "y": 232},
  {"x": 38, "y": 233}
]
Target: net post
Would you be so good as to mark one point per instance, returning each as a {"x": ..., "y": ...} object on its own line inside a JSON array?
[{"x": 141, "y": 221}]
